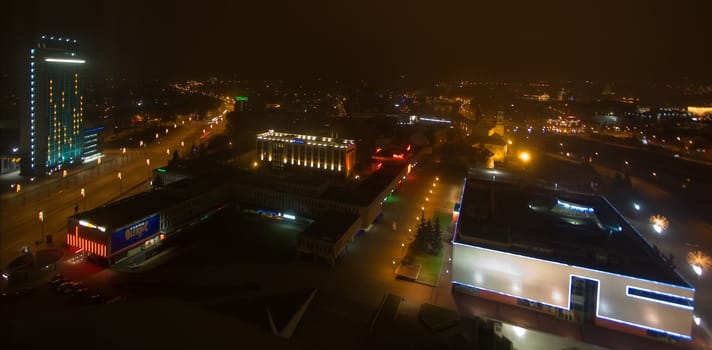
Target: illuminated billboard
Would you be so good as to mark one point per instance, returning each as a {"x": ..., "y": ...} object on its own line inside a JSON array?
[{"x": 134, "y": 233}]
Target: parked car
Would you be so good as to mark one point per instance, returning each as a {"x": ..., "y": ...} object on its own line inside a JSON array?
[
  {"x": 56, "y": 277},
  {"x": 94, "y": 299},
  {"x": 65, "y": 286},
  {"x": 117, "y": 299},
  {"x": 25, "y": 291},
  {"x": 80, "y": 291},
  {"x": 57, "y": 282}
]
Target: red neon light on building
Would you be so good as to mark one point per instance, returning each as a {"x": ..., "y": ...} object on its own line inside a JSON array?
[{"x": 84, "y": 244}]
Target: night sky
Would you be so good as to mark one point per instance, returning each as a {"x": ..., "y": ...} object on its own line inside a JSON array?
[{"x": 421, "y": 40}]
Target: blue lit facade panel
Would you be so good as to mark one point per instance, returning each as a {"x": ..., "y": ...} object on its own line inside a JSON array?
[{"x": 135, "y": 233}]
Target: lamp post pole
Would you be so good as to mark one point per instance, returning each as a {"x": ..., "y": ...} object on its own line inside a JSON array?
[
  {"x": 119, "y": 176},
  {"x": 148, "y": 164},
  {"x": 40, "y": 215},
  {"x": 17, "y": 196},
  {"x": 84, "y": 197}
]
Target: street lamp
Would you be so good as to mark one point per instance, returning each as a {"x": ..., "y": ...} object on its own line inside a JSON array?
[
  {"x": 40, "y": 215},
  {"x": 84, "y": 197},
  {"x": 524, "y": 156},
  {"x": 17, "y": 190},
  {"x": 148, "y": 164},
  {"x": 64, "y": 176},
  {"x": 659, "y": 222},
  {"x": 119, "y": 176},
  {"x": 699, "y": 262}
]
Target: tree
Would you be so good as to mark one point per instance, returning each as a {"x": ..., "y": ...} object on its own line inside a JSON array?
[
  {"x": 421, "y": 241},
  {"x": 436, "y": 242},
  {"x": 428, "y": 238},
  {"x": 175, "y": 159}
]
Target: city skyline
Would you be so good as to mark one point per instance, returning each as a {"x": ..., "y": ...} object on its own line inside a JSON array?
[
  {"x": 415, "y": 42},
  {"x": 409, "y": 174}
]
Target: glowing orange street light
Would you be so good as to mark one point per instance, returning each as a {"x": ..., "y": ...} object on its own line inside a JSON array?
[
  {"x": 40, "y": 215},
  {"x": 524, "y": 156},
  {"x": 699, "y": 262},
  {"x": 84, "y": 197},
  {"x": 659, "y": 222}
]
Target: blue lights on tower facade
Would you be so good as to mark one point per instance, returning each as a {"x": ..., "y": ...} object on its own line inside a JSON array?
[{"x": 54, "y": 131}]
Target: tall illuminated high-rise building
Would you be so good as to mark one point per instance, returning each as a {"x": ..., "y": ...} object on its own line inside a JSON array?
[{"x": 53, "y": 132}]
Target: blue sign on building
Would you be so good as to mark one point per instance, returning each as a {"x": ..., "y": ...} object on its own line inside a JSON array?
[{"x": 134, "y": 233}]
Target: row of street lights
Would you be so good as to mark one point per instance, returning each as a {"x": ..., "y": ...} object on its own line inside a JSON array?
[
  {"x": 83, "y": 192},
  {"x": 417, "y": 218}
]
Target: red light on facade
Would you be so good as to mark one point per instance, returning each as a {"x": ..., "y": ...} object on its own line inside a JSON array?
[
  {"x": 161, "y": 237},
  {"x": 398, "y": 156},
  {"x": 408, "y": 148},
  {"x": 378, "y": 150},
  {"x": 86, "y": 245}
]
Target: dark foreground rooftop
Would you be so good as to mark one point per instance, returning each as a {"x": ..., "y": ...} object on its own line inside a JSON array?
[{"x": 571, "y": 228}]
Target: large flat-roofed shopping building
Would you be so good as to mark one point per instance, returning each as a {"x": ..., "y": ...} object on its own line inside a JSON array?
[
  {"x": 133, "y": 229},
  {"x": 280, "y": 150},
  {"x": 570, "y": 255}
]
